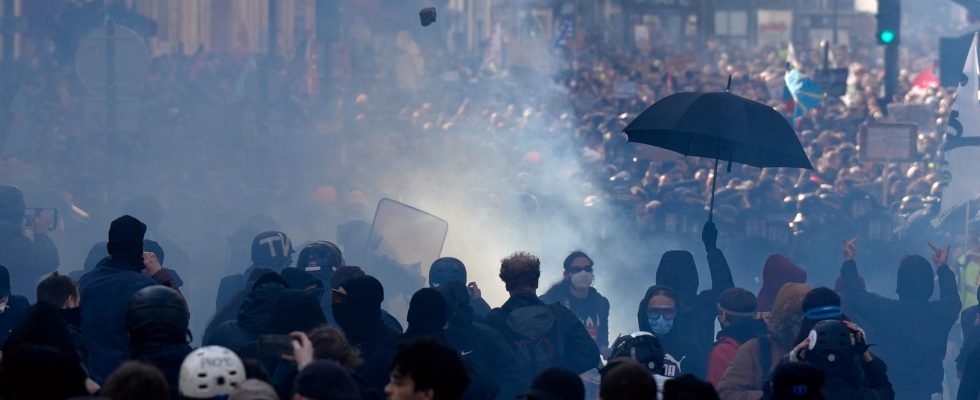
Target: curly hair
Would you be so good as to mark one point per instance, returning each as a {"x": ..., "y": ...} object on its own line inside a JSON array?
[
  {"x": 520, "y": 270},
  {"x": 330, "y": 344}
]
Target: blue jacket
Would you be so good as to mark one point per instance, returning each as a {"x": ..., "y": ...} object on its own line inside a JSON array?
[{"x": 105, "y": 292}]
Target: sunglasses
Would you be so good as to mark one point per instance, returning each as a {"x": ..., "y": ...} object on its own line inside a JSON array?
[
  {"x": 656, "y": 312},
  {"x": 575, "y": 270}
]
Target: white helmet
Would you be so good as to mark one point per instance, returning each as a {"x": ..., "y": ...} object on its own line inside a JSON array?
[{"x": 209, "y": 372}]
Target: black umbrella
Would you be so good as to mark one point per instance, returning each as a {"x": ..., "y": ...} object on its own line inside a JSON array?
[{"x": 721, "y": 126}]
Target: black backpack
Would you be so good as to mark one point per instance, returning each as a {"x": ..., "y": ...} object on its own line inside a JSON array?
[{"x": 534, "y": 337}]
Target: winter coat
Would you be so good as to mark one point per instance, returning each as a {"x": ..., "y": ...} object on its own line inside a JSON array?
[
  {"x": 681, "y": 355},
  {"x": 106, "y": 291},
  {"x": 745, "y": 378},
  {"x": 729, "y": 340},
  {"x": 569, "y": 343},
  {"x": 970, "y": 385},
  {"x": 696, "y": 313},
  {"x": 28, "y": 261},
  {"x": 593, "y": 310},
  {"x": 166, "y": 357},
  {"x": 16, "y": 308},
  {"x": 912, "y": 331}
]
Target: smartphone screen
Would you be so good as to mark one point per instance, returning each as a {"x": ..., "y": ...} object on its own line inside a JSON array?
[
  {"x": 275, "y": 345},
  {"x": 33, "y": 214}
]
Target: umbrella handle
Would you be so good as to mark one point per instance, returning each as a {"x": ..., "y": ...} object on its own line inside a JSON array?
[{"x": 714, "y": 180}]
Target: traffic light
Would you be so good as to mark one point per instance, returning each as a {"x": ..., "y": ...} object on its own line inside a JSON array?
[{"x": 889, "y": 22}]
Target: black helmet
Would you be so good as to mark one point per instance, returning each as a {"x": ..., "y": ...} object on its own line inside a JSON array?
[
  {"x": 157, "y": 314},
  {"x": 446, "y": 269},
  {"x": 12, "y": 206},
  {"x": 318, "y": 256},
  {"x": 272, "y": 249},
  {"x": 643, "y": 347},
  {"x": 832, "y": 344}
]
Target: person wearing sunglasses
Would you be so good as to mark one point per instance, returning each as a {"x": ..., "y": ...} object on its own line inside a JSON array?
[
  {"x": 576, "y": 293},
  {"x": 656, "y": 314}
]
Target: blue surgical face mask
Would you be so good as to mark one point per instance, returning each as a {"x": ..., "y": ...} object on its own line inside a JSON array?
[{"x": 660, "y": 325}]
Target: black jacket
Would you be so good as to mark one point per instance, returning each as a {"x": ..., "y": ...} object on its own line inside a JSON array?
[
  {"x": 253, "y": 319},
  {"x": 696, "y": 312},
  {"x": 487, "y": 355},
  {"x": 971, "y": 336},
  {"x": 593, "y": 310},
  {"x": 871, "y": 383},
  {"x": 570, "y": 344},
  {"x": 106, "y": 291},
  {"x": 970, "y": 385},
  {"x": 26, "y": 260},
  {"x": 912, "y": 333},
  {"x": 166, "y": 357},
  {"x": 16, "y": 308}
]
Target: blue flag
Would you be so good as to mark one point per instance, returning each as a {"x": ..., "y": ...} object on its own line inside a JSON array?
[{"x": 805, "y": 93}]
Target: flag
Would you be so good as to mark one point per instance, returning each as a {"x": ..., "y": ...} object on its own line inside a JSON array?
[
  {"x": 792, "y": 63},
  {"x": 791, "y": 58},
  {"x": 566, "y": 32},
  {"x": 805, "y": 93},
  {"x": 963, "y": 138},
  {"x": 926, "y": 79}
]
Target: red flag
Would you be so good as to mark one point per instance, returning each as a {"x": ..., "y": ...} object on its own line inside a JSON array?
[{"x": 925, "y": 80}]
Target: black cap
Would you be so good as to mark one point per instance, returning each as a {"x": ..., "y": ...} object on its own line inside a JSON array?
[{"x": 4, "y": 281}]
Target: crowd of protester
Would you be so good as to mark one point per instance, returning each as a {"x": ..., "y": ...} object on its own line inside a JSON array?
[{"x": 316, "y": 328}]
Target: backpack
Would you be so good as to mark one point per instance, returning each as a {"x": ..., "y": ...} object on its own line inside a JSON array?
[{"x": 534, "y": 336}]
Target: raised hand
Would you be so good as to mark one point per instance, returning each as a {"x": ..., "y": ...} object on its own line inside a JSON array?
[
  {"x": 940, "y": 255},
  {"x": 709, "y": 236},
  {"x": 850, "y": 248}
]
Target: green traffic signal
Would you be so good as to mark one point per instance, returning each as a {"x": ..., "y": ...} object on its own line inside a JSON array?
[{"x": 886, "y": 36}]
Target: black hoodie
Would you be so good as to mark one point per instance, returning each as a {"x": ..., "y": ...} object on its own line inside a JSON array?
[
  {"x": 253, "y": 317},
  {"x": 681, "y": 356},
  {"x": 593, "y": 310},
  {"x": 489, "y": 358},
  {"x": 912, "y": 331},
  {"x": 359, "y": 315},
  {"x": 696, "y": 313}
]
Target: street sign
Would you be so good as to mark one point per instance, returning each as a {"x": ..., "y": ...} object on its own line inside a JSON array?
[
  {"x": 888, "y": 142},
  {"x": 921, "y": 115},
  {"x": 132, "y": 61}
]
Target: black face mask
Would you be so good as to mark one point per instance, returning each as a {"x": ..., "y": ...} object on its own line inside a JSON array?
[{"x": 73, "y": 316}]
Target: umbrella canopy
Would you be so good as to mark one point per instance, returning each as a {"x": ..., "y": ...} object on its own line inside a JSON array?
[{"x": 721, "y": 126}]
